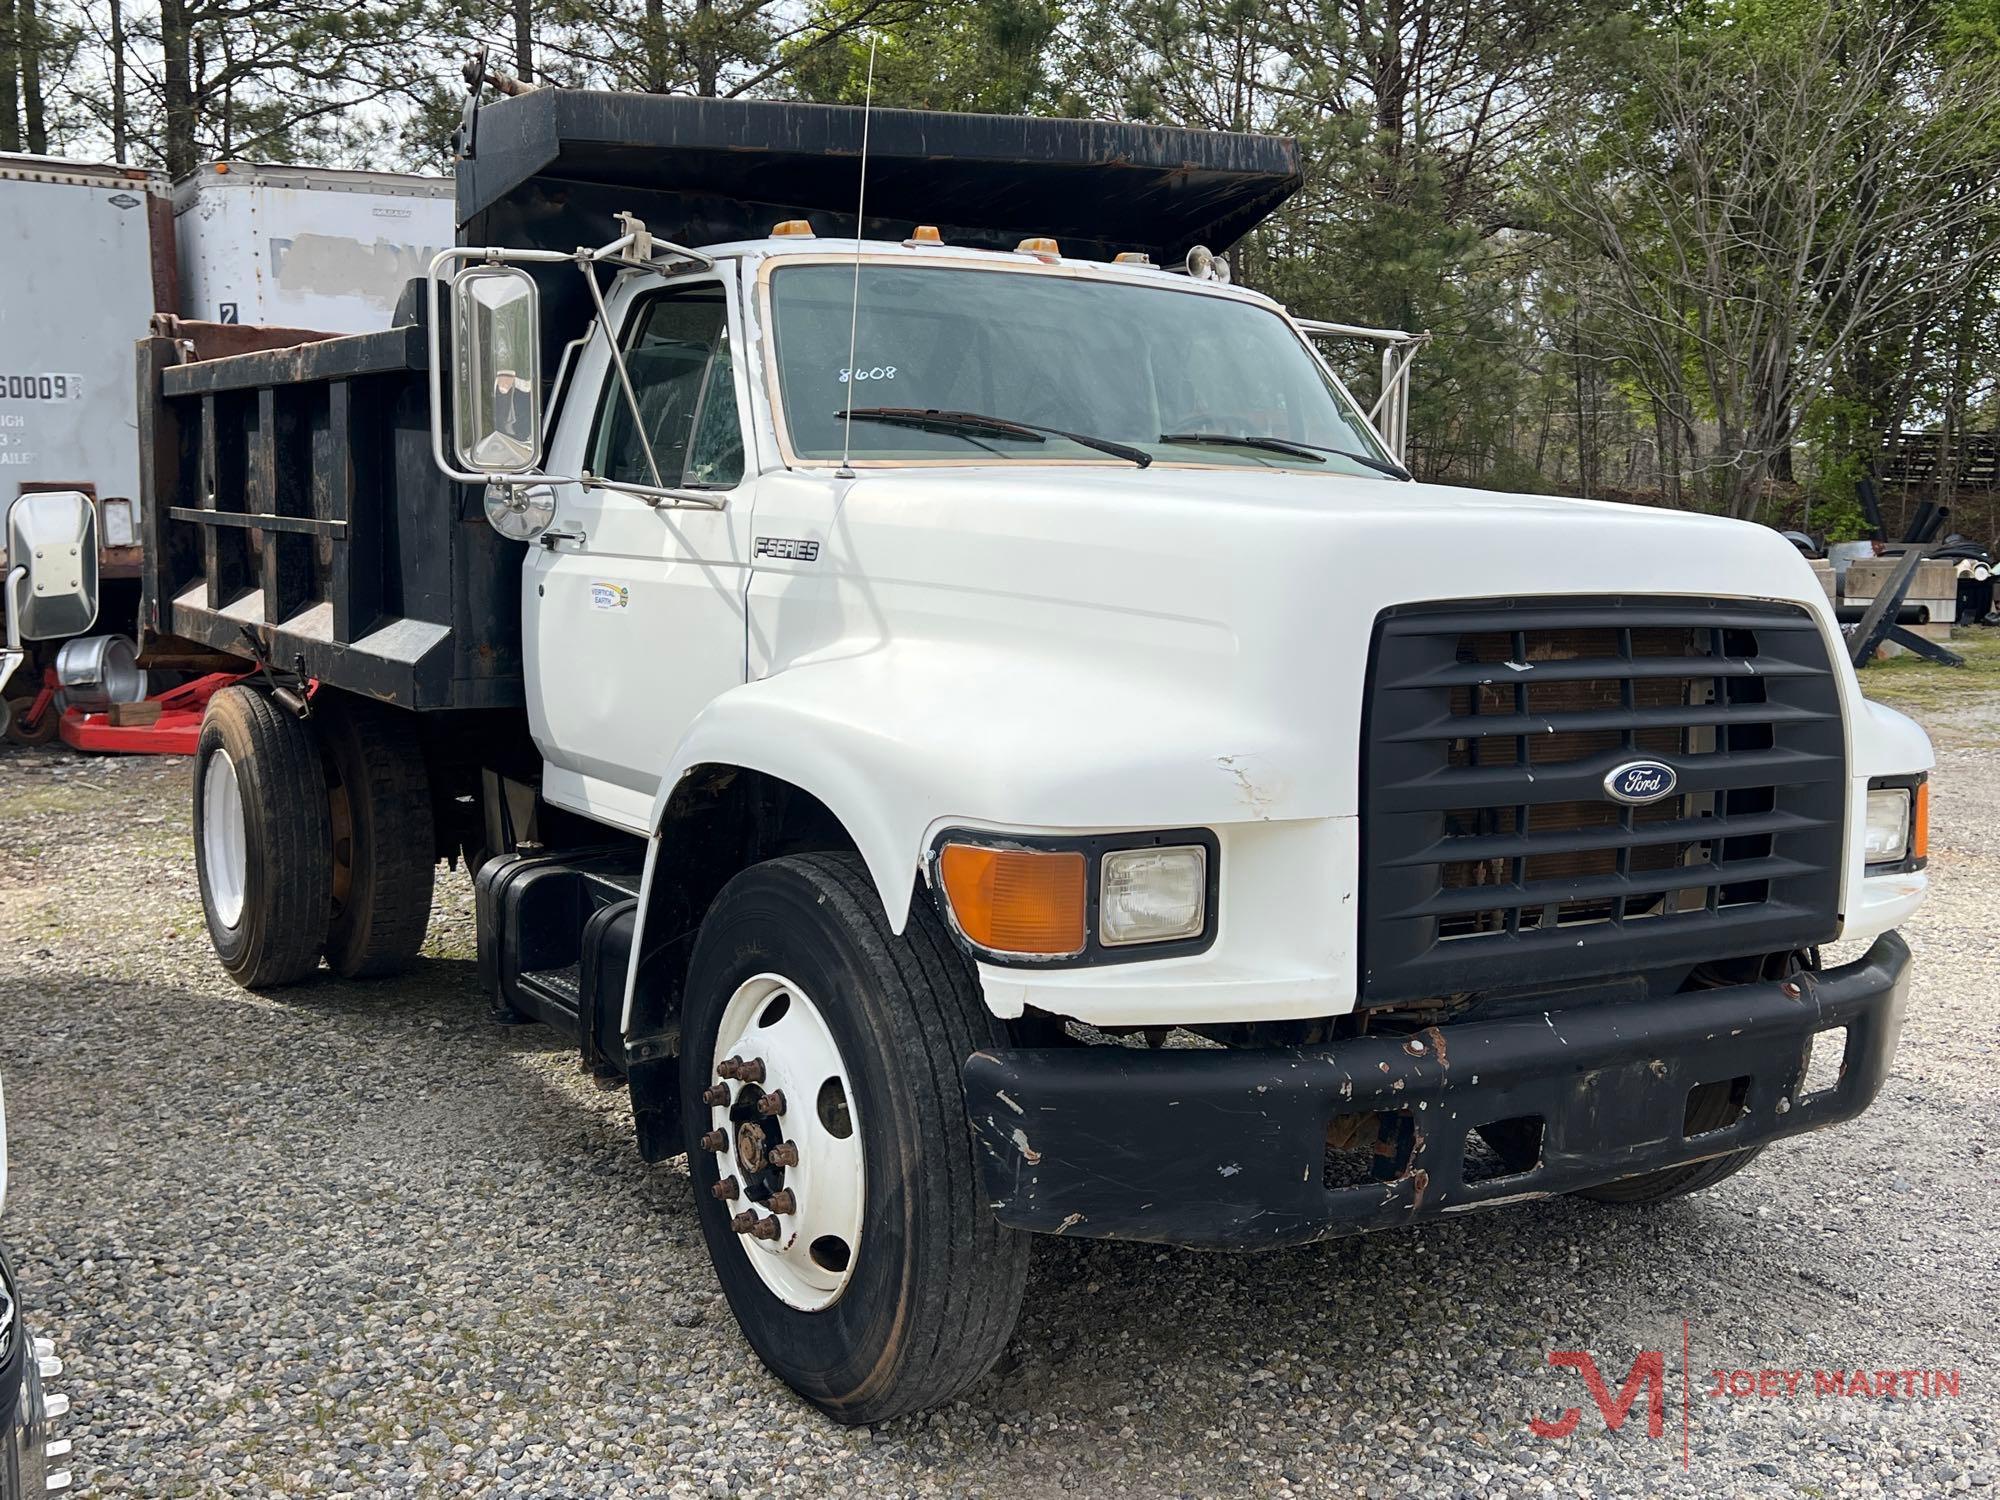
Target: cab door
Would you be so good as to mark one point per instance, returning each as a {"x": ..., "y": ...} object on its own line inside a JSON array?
[{"x": 633, "y": 612}]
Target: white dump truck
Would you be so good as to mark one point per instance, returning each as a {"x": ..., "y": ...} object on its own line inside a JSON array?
[
  {"x": 893, "y": 670},
  {"x": 92, "y": 253}
]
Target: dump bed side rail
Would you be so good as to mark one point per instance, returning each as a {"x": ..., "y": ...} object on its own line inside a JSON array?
[{"x": 292, "y": 512}]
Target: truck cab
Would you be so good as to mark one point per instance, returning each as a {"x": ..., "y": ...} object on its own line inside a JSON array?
[{"x": 960, "y": 709}]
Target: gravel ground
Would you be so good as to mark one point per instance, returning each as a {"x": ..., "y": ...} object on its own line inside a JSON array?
[{"x": 359, "y": 1240}]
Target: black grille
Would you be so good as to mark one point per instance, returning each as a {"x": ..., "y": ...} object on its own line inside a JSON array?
[{"x": 1492, "y": 854}]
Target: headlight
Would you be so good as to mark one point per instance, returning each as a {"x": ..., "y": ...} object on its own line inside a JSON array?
[
  {"x": 1075, "y": 901},
  {"x": 1886, "y": 839},
  {"x": 1152, "y": 895}
]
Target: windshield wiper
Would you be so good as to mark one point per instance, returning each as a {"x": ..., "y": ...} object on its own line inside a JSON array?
[
  {"x": 965, "y": 422},
  {"x": 1288, "y": 445}
]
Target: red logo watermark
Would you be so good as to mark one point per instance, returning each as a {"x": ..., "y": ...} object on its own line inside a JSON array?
[{"x": 1643, "y": 1390}]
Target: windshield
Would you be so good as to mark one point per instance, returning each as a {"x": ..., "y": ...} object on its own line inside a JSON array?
[{"x": 1153, "y": 368}]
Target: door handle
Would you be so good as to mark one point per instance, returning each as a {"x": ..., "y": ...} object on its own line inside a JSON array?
[{"x": 549, "y": 538}]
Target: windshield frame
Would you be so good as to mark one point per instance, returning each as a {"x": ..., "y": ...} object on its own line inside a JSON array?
[{"x": 1085, "y": 271}]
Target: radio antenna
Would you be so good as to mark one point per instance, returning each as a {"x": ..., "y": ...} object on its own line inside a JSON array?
[{"x": 846, "y": 469}]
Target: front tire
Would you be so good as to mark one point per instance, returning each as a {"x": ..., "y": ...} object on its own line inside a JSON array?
[
  {"x": 261, "y": 846},
  {"x": 796, "y": 968}
]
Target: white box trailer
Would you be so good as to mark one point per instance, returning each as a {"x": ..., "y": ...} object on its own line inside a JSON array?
[
  {"x": 305, "y": 247},
  {"x": 86, "y": 259}
]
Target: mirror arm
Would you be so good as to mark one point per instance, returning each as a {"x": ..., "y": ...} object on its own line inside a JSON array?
[
  {"x": 657, "y": 496},
  {"x": 624, "y": 380},
  {"x": 15, "y": 654},
  {"x": 14, "y": 575}
]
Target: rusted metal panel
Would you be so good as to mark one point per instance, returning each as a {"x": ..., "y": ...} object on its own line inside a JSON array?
[
  {"x": 205, "y": 341},
  {"x": 393, "y": 351}
]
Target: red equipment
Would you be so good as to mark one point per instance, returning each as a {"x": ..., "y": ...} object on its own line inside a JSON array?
[{"x": 173, "y": 733}]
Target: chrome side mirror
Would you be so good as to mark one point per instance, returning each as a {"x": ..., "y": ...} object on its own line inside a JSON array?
[
  {"x": 52, "y": 584},
  {"x": 496, "y": 369}
]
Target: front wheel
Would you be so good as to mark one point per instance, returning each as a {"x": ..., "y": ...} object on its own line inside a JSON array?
[{"x": 828, "y": 1146}]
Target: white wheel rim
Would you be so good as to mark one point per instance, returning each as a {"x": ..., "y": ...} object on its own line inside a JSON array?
[
  {"x": 223, "y": 841},
  {"x": 810, "y": 1262}
]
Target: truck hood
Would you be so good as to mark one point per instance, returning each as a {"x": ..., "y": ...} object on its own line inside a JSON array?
[{"x": 1182, "y": 615}]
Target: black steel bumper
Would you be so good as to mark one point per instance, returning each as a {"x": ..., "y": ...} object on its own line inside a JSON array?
[{"x": 1228, "y": 1149}]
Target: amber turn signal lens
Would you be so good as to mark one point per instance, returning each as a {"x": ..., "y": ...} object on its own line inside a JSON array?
[
  {"x": 1920, "y": 823},
  {"x": 1016, "y": 900}
]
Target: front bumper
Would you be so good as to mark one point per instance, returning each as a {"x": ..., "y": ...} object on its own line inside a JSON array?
[{"x": 1228, "y": 1149}]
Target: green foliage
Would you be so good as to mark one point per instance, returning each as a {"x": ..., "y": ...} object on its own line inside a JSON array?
[
  {"x": 1526, "y": 182},
  {"x": 983, "y": 55}
]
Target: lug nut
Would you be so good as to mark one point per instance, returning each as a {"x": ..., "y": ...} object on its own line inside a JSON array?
[
  {"x": 772, "y": 1103},
  {"x": 744, "y": 1222},
  {"x": 784, "y": 1201},
  {"x": 725, "y": 1189},
  {"x": 743, "y": 1072},
  {"x": 715, "y": 1140},
  {"x": 717, "y": 1093},
  {"x": 765, "y": 1229},
  {"x": 727, "y": 1067},
  {"x": 784, "y": 1154}
]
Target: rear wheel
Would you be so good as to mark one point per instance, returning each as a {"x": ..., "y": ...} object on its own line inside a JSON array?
[
  {"x": 384, "y": 846},
  {"x": 828, "y": 1146},
  {"x": 261, "y": 845}
]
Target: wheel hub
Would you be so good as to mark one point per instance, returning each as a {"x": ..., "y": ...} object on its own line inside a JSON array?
[
  {"x": 224, "y": 841},
  {"x": 784, "y": 1134},
  {"x": 750, "y": 1147}
]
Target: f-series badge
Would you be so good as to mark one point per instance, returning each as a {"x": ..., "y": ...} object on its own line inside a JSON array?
[
  {"x": 1638, "y": 782},
  {"x": 790, "y": 549}
]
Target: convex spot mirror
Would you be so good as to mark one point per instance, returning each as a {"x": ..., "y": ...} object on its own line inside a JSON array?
[
  {"x": 51, "y": 575},
  {"x": 496, "y": 369}
]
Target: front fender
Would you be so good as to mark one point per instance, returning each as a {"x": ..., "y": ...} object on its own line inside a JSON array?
[{"x": 902, "y": 738}]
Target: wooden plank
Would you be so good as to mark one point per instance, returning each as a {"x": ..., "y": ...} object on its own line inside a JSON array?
[
  {"x": 225, "y": 554},
  {"x": 284, "y": 555},
  {"x": 133, "y": 715},
  {"x": 285, "y": 525},
  {"x": 392, "y": 351},
  {"x": 355, "y": 594}
]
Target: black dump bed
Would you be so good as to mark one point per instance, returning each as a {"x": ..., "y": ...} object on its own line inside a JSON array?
[
  {"x": 548, "y": 169},
  {"x": 289, "y": 495}
]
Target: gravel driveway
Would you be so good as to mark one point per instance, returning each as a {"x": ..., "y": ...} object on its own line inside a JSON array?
[{"x": 359, "y": 1239}]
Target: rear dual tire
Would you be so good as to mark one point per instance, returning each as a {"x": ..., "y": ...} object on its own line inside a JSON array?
[{"x": 311, "y": 837}]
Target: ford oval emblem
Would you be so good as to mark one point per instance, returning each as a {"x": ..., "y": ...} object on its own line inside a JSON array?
[{"x": 1641, "y": 781}]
